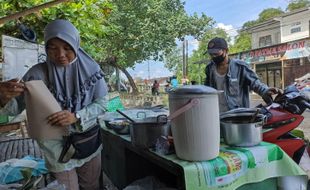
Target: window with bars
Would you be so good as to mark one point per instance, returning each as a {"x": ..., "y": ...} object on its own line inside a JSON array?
[
  {"x": 265, "y": 41},
  {"x": 294, "y": 30}
]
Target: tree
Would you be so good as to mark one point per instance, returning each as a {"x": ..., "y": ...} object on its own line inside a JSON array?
[
  {"x": 268, "y": 14},
  {"x": 148, "y": 29},
  {"x": 243, "y": 40},
  {"x": 198, "y": 59},
  {"x": 29, "y": 11},
  {"x": 87, "y": 16},
  {"x": 120, "y": 33},
  {"x": 173, "y": 60},
  {"x": 297, "y": 4},
  {"x": 249, "y": 24},
  {"x": 242, "y": 43}
]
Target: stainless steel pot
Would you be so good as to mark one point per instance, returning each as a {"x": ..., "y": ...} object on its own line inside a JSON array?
[
  {"x": 240, "y": 129},
  {"x": 144, "y": 132}
]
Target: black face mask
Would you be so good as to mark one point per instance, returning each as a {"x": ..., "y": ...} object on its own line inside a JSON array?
[{"x": 218, "y": 59}]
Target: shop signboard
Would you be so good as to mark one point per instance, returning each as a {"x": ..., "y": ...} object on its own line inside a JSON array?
[
  {"x": 298, "y": 49},
  {"x": 291, "y": 50}
]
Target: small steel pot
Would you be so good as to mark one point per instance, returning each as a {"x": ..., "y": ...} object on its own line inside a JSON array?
[
  {"x": 241, "y": 130},
  {"x": 145, "y": 132}
]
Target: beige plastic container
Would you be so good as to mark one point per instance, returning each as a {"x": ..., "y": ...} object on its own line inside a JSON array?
[{"x": 196, "y": 132}]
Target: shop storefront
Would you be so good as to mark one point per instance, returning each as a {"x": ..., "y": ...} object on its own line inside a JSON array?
[{"x": 281, "y": 64}]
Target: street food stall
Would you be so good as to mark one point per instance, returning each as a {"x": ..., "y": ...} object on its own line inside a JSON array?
[
  {"x": 240, "y": 168},
  {"x": 201, "y": 160}
]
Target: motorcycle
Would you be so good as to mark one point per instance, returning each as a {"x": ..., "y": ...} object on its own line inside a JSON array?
[{"x": 284, "y": 115}]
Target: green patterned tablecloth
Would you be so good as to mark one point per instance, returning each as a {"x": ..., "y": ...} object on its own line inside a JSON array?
[{"x": 235, "y": 167}]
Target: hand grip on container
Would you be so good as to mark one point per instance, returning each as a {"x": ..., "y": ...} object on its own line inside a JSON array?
[
  {"x": 139, "y": 113},
  {"x": 193, "y": 102},
  {"x": 253, "y": 117},
  {"x": 162, "y": 118}
]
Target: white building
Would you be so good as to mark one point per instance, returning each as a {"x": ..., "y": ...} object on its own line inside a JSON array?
[{"x": 280, "y": 48}]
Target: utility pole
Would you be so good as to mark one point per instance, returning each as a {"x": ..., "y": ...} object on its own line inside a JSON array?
[{"x": 185, "y": 57}]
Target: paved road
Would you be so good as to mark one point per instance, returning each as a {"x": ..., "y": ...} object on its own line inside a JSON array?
[{"x": 304, "y": 126}]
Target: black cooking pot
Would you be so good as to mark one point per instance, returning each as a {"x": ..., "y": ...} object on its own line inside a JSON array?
[
  {"x": 120, "y": 125},
  {"x": 144, "y": 132}
]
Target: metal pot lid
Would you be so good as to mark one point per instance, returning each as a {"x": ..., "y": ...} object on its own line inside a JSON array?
[
  {"x": 194, "y": 89},
  {"x": 160, "y": 119},
  {"x": 239, "y": 112}
]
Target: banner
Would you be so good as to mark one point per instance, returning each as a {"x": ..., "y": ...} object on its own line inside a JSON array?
[{"x": 19, "y": 56}]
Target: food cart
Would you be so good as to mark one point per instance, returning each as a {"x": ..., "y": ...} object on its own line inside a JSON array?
[{"x": 235, "y": 168}]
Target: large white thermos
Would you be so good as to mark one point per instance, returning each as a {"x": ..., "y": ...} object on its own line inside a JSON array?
[{"x": 196, "y": 131}]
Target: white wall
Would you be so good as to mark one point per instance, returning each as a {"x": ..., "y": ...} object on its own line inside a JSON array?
[
  {"x": 300, "y": 19},
  {"x": 272, "y": 30}
]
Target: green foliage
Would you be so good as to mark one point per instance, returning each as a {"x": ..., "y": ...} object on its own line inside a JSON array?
[
  {"x": 242, "y": 43},
  {"x": 196, "y": 71},
  {"x": 297, "y": 4},
  {"x": 130, "y": 31},
  {"x": 174, "y": 59},
  {"x": 249, "y": 24},
  {"x": 87, "y": 16},
  {"x": 263, "y": 16},
  {"x": 146, "y": 29},
  {"x": 274, "y": 12},
  {"x": 268, "y": 14},
  {"x": 243, "y": 40}
]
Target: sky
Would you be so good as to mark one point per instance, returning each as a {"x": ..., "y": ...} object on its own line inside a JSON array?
[{"x": 228, "y": 14}]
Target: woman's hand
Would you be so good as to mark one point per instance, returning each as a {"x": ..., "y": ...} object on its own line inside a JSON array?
[
  {"x": 63, "y": 118},
  {"x": 10, "y": 89}
]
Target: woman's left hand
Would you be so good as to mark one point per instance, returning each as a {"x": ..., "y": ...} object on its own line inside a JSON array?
[{"x": 63, "y": 118}]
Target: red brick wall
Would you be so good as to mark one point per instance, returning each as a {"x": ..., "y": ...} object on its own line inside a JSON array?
[{"x": 291, "y": 72}]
